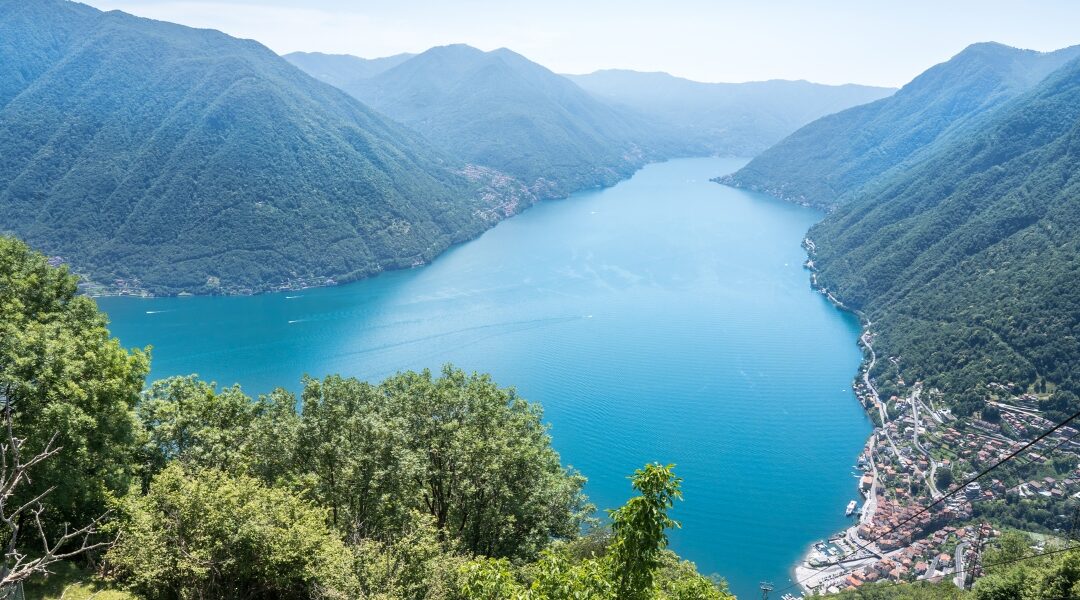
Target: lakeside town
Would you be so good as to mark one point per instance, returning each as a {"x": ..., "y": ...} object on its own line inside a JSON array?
[{"x": 912, "y": 523}]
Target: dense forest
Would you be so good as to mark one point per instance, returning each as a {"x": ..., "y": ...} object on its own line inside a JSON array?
[
  {"x": 423, "y": 486},
  {"x": 825, "y": 163},
  {"x": 182, "y": 160},
  {"x": 967, "y": 262}
]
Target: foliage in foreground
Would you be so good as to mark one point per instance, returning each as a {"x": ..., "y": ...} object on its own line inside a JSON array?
[
  {"x": 68, "y": 432},
  {"x": 368, "y": 491},
  {"x": 474, "y": 457},
  {"x": 208, "y": 534},
  {"x": 635, "y": 565}
]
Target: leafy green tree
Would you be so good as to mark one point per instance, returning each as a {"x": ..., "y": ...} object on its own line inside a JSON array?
[
  {"x": 943, "y": 479},
  {"x": 413, "y": 566},
  {"x": 191, "y": 421},
  {"x": 631, "y": 564},
  {"x": 62, "y": 374},
  {"x": 188, "y": 420},
  {"x": 474, "y": 456},
  {"x": 351, "y": 441},
  {"x": 208, "y": 534},
  {"x": 274, "y": 438},
  {"x": 678, "y": 579},
  {"x": 490, "y": 579},
  {"x": 488, "y": 473},
  {"x": 641, "y": 530},
  {"x": 1060, "y": 405},
  {"x": 557, "y": 575}
]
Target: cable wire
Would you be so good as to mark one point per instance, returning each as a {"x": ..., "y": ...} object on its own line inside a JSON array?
[{"x": 1012, "y": 455}]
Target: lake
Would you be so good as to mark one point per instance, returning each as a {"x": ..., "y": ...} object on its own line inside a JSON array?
[{"x": 667, "y": 318}]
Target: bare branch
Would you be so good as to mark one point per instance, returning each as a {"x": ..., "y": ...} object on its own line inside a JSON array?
[{"x": 13, "y": 473}]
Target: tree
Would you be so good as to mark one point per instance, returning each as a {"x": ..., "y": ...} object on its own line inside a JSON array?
[
  {"x": 209, "y": 534},
  {"x": 353, "y": 442},
  {"x": 943, "y": 479},
  {"x": 474, "y": 456},
  {"x": 18, "y": 565},
  {"x": 1060, "y": 405},
  {"x": 63, "y": 375},
  {"x": 631, "y": 564},
  {"x": 414, "y": 566},
  {"x": 191, "y": 421},
  {"x": 641, "y": 530}
]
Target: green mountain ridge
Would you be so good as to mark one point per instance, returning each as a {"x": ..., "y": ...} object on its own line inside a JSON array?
[
  {"x": 155, "y": 157},
  {"x": 341, "y": 70},
  {"x": 826, "y": 162},
  {"x": 967, "y": 262},
  {"x": 739, "y": 119},
  {"x": 501, "y": 110}
]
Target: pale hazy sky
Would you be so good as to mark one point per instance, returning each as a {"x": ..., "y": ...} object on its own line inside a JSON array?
[{"x": 829, "y": 41}]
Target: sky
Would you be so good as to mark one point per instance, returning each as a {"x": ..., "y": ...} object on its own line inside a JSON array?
[{"x": 873, "y": 42}]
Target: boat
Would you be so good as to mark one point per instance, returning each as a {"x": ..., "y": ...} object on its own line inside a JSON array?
[{"x": 850, "y": 508}]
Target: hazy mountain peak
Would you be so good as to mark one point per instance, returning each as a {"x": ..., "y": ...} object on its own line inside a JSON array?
[
  {"x": 173, "y": 158},
  {"x": 829, "y": 159},
  {"x": 340, "y": 70}
]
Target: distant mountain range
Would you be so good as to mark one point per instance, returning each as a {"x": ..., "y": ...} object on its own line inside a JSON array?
[
  {"x": 563, "y": 133},
  {"x": 965, "y": 255},
  {"x": 343, "y": 70},
  {"x": 824, "y": 163},
  {"x": 158, "y": 158},
  {"x": 740, "y": 119},
  {"x": 161, "y": 158},
  {"x": 501, "y": 110}
]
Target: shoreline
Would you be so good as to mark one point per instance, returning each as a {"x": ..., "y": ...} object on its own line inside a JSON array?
[
  {"x": 804, "y": 574},
  {"x": 94, "y": 289}
]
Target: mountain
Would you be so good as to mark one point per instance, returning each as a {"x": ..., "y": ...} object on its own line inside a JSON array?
[
  {"x": 155, "y": 157},
  {"x": 341, "y": 70},
  {"x": 501, "y": 110},
  {"x": 967, "y": 261},
  {"x": 824, "y": 162},
  {"x": 741, "y": 119}
]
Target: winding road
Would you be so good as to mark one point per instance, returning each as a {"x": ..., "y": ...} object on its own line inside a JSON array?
[
  {"x": 915, "y": 402},
  {"x": 874, "y": 393}
]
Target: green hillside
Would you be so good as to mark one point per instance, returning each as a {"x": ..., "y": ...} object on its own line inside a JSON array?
[
  {"x": 503, "y": 111},
  {"x": 825, "y": 162},
  {"x": 968, "y": 262},
  {"x": 157, "y": 157},
  {"x": 739, "y": 119}
]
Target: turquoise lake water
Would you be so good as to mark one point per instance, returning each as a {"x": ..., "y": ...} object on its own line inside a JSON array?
[{"x": 666, "y": 319}]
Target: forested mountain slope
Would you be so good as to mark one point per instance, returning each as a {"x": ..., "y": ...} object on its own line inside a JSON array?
[
  {"x": 968, "y": 262},
  {"x": 340, "y": 70},
  {"x": 823, "y": 163},
  {"x": 740, "y": 119},
  {"x": 501, "y": 110},
  {"x": 176, "y": 159}
]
